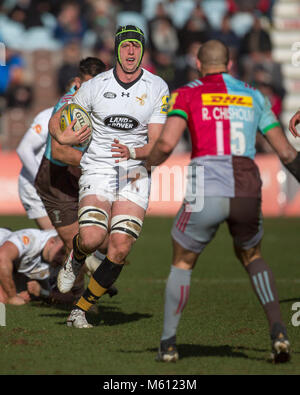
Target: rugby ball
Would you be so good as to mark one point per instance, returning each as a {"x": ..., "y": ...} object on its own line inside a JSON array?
[{"x": 72, "y": 111}]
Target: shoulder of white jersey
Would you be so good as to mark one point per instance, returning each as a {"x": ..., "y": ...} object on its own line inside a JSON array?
[
  {"x": 49, "y": 233},
  {"x": 4, "y": 235},
  {"x": 38, "y": 235},
  {"x": 43, "y": 114},
  {"x": 154, "y": 79},
  {"x": 147, "y": 75},
  {"x": 101, "y": 77},
  {"x": 98, "y": 78}
]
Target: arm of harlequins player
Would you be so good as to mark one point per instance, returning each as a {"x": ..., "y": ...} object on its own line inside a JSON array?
[
  {"x": 68, "y": 136},
  {"x": 289, "y": 157},
  {"x": 66, "y": 154},
  {"x": 165, "y": 144}
]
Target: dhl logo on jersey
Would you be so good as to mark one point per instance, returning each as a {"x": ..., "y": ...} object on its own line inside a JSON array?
[{"x": 224, "y": 99}]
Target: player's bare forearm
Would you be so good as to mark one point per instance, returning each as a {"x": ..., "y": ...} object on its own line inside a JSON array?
[
  {"x": 66, "y": 154},
  {"x": 6, "y": 277},
  {"x": 279, "y": 142},
  {"x": 154, "y": 132},
  {"x": 160, "y": 153},
  {"x": 143, "y": 152},
  {"x": 54, "y": 125},
  {"x": 166, "y": 143}
]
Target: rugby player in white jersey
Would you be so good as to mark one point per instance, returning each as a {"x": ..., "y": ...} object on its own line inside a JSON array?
[
  {"x": 30, "y": 151},
  {"x": 127, "y": 106},
  {"x": 28, "y": 252}
]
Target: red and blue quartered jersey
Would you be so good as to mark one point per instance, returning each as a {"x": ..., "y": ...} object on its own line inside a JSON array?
[{"x": 223, "y": 115}]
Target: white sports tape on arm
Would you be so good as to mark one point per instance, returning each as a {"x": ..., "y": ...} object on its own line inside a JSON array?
[{"x": 132, "y": 152}]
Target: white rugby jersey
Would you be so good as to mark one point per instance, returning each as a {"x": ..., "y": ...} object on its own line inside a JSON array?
[
  {"x": 117, "y": 112},
  {"x": 30, "y": 244},
  {"x": 33, "y": 144}
]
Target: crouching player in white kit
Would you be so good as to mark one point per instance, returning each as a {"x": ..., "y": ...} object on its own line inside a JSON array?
[
  {"x": 128, "y": 106},
  {"x": 28, "y": 253},
  {"x": 30, "y": 151}
]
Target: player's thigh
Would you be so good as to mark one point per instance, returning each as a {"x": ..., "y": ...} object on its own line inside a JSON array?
[
  {"x": 193, "y": 230},
  {"x": 67, "y": 234},
  {"x": 245, "y": 226},
  {"x": 44, "y": 223}
]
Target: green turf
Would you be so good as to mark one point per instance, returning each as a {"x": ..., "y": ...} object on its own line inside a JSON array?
[{"x": 223, "y": 329}]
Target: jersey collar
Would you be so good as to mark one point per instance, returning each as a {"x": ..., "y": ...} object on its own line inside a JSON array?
[{"x": 127, "y": 85}]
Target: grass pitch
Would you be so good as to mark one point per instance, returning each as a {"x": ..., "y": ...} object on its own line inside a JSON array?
[{"x": 223, "y": 329}]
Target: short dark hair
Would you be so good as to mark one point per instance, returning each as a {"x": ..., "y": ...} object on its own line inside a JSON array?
[{"x": 91, "y": 66}]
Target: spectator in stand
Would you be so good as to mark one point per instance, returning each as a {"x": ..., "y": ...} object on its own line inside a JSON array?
[
  {"x": 164, "y": 63},
  {"x": 69, "y": 67},
  {"x": 264, "y": 82},
  {"x": 256, "y": 62},
  {"x": 229, "y": 38},
  {"x": 242, "y": 18},
  {"x": 104, "y": 51},
  {"x": 162, "y": 32},
  {"x": 257, "y": 39},
  {"x": 186, "y": 67},
  {"x": 12, "y": 82},
  {"x": 70, "y": 24},
  {"x": 147, "y": 62},
  {"x": 12, "y": 73},
  {"x": 197, "y": 28},
  {"x": 102, "y": 19},
  {"x": 29, "y": 13},
  {"x": 264, "y": 6}
]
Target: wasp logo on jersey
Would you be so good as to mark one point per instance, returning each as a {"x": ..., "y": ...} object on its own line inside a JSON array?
[
  {"x": 224, "y": 99},
  {"x": 141, "y": 99},
  {"x": 121, "y": 122}
]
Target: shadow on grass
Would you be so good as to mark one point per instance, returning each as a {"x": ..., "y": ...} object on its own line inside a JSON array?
[
  {"x": 200, "y": 350},
  {"x": 107, "y": 315},
  {"x": 290, "y": 300}
]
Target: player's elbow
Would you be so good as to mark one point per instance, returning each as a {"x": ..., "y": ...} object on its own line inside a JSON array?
[
  {"x": 165, "y": 146},
  {"x": 287, "y": 154}
]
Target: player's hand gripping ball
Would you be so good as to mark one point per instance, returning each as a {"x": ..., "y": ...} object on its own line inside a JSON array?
[{"x": 69, "y": 113}]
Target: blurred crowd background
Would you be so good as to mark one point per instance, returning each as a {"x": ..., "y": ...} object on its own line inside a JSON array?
[{"x": 45, "y": 39}]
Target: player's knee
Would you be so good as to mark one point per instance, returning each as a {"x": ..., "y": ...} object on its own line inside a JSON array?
[
  {"x": 247, "y": 256},
  {"x": 91, "y": 238},
  {"x": 119, "y": 247},
  {"x": 93, "y": 225}
]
